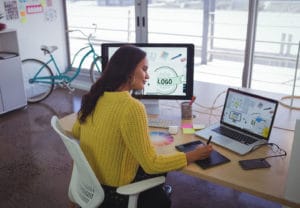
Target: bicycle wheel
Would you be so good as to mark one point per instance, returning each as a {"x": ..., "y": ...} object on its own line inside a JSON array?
[
  {"x": 95, "y": 70},
  {"x": 36, "y": 88}
]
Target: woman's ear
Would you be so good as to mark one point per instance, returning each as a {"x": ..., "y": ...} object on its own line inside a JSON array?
[{"x": 132, "y": 80}]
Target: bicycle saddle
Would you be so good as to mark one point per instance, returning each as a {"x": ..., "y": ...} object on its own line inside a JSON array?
[{"x": 48, "y": 49}]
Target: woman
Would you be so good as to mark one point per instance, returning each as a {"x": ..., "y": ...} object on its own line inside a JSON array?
[{"x": 113, "y": 131}]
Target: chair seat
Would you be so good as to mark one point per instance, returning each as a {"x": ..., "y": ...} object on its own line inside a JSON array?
[{"x": 84, "y": 188}]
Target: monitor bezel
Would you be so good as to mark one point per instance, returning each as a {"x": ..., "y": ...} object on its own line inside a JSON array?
[{"x": 189, "y": 61}]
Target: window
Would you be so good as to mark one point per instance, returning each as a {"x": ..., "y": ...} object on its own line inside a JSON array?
[
  {"x": 114, "y": 19},
  {"x": 276, "y": 46},
  {"x": 226, "y": 43},
  {"x": 217, "y": 28}
]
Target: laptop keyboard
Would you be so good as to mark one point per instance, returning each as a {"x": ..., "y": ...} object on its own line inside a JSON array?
[
  {"x": 161, "y": 123},
  {"x": 235, "y": 135}
]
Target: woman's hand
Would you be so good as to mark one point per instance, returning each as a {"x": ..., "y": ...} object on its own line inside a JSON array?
[{"x": 199, "y": 153}]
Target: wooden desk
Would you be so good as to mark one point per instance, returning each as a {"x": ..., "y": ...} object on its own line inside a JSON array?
[{"x": 266, "y": 183}]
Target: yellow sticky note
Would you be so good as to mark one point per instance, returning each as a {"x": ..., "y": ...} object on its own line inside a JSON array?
[
  {"x": 23, "y": 19},
  {"x": 188, "y": 131}
]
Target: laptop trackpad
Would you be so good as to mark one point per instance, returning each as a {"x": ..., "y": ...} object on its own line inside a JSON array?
[{"x": 219, "y": 139}]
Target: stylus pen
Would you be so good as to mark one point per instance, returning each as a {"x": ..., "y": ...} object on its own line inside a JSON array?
[
  {"x": 192, "y": 100},
  {"x": 209, "y": 139}
]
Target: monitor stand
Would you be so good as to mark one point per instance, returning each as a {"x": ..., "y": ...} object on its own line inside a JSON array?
[{"x": 152, "y": 106}]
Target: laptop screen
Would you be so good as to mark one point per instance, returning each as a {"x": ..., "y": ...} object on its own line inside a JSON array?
[{"x": 250, "y": 113}]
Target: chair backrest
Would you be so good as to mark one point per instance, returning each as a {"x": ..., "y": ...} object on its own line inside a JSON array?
[{"x": 84, "y": 189}]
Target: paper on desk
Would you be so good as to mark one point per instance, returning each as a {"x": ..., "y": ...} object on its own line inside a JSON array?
[{"x": 198, "y": 126}]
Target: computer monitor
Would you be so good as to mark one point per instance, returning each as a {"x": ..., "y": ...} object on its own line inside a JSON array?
[{"x": 171, "y": 70}]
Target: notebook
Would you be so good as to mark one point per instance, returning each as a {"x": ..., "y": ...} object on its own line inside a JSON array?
[{"x": 245, "y": 123}]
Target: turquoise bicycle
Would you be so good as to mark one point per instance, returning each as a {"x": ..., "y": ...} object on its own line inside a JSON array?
[{"x": 39, "y": 79}]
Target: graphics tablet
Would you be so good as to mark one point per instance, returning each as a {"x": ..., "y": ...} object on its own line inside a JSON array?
[{"x": 215, "y": 157}]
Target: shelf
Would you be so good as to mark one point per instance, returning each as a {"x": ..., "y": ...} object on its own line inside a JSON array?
[{"x": 12, "y": 93}]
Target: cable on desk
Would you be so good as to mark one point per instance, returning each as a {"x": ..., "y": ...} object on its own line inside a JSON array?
[
  {"x": 210, "y": 109},
  {"x": 208, "y": 113},
  {"x": 285, "y": 129},
  {"x": 205, "y": 107},
  {"x": 286, "y": 105},
  {"x": 214, "y": 102},
  {"x": 279, "y": 152}
]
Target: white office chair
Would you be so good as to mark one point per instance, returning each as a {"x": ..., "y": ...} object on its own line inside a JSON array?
[{"x": 85, "y": 189}]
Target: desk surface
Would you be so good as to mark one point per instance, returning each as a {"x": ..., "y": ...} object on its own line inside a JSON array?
[{"x": 266, "y": 183}]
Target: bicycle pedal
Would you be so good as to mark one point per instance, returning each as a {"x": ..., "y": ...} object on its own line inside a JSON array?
[
  {"x": 65, "y": 84},
  {"x": 61, "y": 84},
  {"x": 71, "y": 89},
  {"x": 68, "y": 86}
]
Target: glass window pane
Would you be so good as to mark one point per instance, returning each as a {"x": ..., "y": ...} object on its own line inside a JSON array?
[
  {"x": 175, "y": 21},
  {"x": 227, "y": 44},
  {"x": 184, "y": 21},
  {"x": 276, "y": 46},
  {"x": 114, "y": 19}
]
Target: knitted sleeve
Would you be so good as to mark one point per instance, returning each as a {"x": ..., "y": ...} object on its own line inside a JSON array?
[
  {"x": 76, "y": 129},
  {"x": 135, "y": 132}
]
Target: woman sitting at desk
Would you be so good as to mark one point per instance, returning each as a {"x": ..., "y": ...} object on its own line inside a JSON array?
[{"x": 114, "y": 135}]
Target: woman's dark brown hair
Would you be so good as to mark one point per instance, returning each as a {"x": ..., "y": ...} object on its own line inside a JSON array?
[{"x": 118, "y": 71}]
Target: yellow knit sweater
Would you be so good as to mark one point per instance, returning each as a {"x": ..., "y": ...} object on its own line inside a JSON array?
[{"x": 115, "y": 140}]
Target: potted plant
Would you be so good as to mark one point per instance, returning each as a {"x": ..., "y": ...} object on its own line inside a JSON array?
[{"x": 2, "y": 25}]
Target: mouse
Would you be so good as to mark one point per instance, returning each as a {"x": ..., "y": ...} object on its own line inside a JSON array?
[{"x": 173, "y": 129}]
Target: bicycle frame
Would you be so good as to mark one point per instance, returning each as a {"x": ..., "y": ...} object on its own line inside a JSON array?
[
  {"x": 40, "y": 78},
  {"x": 87, "y": 54},
  {"x": 62, "y": 76}
]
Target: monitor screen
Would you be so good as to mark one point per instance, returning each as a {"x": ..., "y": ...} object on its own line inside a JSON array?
[{"x": 170, "y": 68}]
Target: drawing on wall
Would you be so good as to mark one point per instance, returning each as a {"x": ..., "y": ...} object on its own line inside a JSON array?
[
  {"x": 50, "y": 14},
  {"x": 11, "y": 10},
  {"x": 23, "y": 14},
  {"x": 21, "y": 9},
  {"x": 49, "y": 3},
  {"x": 34, "y": 8}
]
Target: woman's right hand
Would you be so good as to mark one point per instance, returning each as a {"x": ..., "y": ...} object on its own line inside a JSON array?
[{"x": 199, "y": 153}]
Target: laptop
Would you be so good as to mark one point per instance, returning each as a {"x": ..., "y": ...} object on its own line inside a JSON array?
[{"x": 246, "y": 122}]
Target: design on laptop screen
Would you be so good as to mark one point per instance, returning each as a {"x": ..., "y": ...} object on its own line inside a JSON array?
[{"x": 252, "y": 114}]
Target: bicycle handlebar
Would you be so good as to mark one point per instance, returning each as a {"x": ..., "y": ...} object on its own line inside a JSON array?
[
  {"x": 85, "y": 35},
  {"x": 78, "y": 31}
]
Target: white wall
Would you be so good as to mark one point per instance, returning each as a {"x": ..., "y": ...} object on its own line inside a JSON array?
[
  {"x": 292, "y": 189},
  {"x": 42, "y": 26}
]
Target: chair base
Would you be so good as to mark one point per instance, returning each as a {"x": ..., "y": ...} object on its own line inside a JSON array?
[
  {"x": 168, "y": 190},
  {"x": 73, "y": 205}
]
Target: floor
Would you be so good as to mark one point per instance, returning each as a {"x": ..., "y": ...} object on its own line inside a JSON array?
[{"x": 35, "y": 167}]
